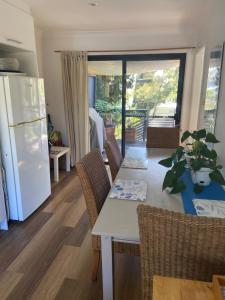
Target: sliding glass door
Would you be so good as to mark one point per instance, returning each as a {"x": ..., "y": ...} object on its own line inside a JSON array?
[
  {"x": 152, "y": 98},
  {"x": 132, "y": 92}
]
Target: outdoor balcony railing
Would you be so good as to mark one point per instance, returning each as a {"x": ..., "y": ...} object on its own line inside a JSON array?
[{"x": 139, "y": 119}]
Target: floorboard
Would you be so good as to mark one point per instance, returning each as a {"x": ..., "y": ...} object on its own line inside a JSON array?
[
  {"x": 49, "y": 255},
  {"x": 18, "y": 236},
  {"x": 67, "y": 290}
]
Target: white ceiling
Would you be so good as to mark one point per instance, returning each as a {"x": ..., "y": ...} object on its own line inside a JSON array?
[{"x": 118, "y": 14}]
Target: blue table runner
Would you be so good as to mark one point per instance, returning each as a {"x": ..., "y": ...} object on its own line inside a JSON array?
[{"x": 214, "y": 191}]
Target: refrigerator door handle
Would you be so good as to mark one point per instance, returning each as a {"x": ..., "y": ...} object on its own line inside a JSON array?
[{"x": 24, "y": 123}]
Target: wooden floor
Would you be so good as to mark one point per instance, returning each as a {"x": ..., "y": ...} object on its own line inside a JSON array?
[{"x": 49, "y": 255}]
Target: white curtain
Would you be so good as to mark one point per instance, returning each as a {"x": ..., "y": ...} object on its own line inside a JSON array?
[{"x": 75, "y": 92}]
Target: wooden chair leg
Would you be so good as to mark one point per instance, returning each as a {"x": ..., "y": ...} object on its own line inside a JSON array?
[{"x": 96, "y": 260}]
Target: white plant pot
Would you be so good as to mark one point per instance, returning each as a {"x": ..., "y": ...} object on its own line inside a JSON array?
[
  {"x": 201, "y": 177},
  {"x": 210, "y": 145}
]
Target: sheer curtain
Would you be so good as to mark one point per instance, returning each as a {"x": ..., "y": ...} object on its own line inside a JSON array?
[{"x": 75, "y": 85}]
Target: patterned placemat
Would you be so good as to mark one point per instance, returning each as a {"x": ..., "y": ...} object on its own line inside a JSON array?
[
  {"x": 125, "y": 189},
  {"x": 214, "y": 191},
  {"x": 210, "y": 208},
  {"x": 133, "y": 163}
]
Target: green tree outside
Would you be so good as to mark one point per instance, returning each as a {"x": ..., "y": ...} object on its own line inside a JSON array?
[
  {"x": 144, "y": 91},
  {"x": 155, "y": 88}
]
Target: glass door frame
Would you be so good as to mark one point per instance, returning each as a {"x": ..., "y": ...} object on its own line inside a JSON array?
[{"x": 125, "y": 58}]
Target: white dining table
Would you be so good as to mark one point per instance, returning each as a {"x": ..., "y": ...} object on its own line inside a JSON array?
[{"x": 118, "y": 220}]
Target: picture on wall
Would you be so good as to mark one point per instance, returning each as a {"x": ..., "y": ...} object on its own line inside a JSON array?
[{"x": 213, "y": 88}]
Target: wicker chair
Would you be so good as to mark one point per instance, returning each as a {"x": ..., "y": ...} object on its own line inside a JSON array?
[
  {"x": 179, "y": 245},
  {"x": 114, "y": 156},
  {"x": 95, "y": 184}
]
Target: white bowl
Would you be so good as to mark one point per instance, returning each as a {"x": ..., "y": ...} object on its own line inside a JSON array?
[{"x": 9, "y": 64}]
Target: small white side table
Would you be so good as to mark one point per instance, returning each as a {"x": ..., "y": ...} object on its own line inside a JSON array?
[{"x": 55, "y": 154}]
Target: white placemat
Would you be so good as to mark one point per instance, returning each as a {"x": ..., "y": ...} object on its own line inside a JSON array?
[
  {"x": 133, "y": 163},
  {"x": 125, "y": 189},
  {"x": 209, "y": 208}
]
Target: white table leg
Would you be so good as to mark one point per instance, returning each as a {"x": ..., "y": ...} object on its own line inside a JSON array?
[
  {"x": 68, "y": 161},
  {"x": 107, "y": 267},
  {"x": 56, "y": 169}
]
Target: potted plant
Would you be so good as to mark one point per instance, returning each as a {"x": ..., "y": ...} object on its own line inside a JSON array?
[
  {"x": 130, "y": 131},
  {"x": 109, "y": 125},
  {"x": 130, "y": 134},
  {"x": 198, "y": 156}
]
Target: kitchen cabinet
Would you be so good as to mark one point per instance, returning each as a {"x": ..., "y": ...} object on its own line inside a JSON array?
[{"x": 16, "y": 27}]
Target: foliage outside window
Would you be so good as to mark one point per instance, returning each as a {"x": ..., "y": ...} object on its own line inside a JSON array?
[{"x": 154, "y": 91}]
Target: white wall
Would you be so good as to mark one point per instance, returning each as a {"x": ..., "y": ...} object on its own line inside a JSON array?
[
  {"x": 39, "y": 47},
  {"x": 111, "y": 40},
  {"x": 215, "y": 37}
]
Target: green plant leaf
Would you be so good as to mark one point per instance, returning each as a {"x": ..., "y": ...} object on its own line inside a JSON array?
[
  {"x": 167, "y": 162},
  {"x": 217, "y": 176},
  {"x": 179, "y": 187},
  {"x": 212, "y": 165},
  {"x": 210, "y": 138},
  {"x": 194, "y": 135},
  {"x": 179, "y": 152},
  {"x": 199, "y": 147},
  {"x": 196, "y": 164},
  {"x": 185, "y": 136},
  {"x": 219, "y": 167},
  {"x": 190, "y": 153},
  {"x": 198, "y": 188},
  {"x": 174, "y": 157},
  {"x": 206, "y": 152},
  {"x": 213, "y": 154},
  {"x": 169, "y": 179},
  {"x": 201, "y": 134},
  {"x": 179, "y": 168}
]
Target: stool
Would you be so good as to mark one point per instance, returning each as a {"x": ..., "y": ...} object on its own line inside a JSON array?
[{"x": 55, "y": 154}]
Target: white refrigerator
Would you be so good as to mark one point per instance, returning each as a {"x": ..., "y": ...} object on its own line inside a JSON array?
[{"x": 24, "y": 144}]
